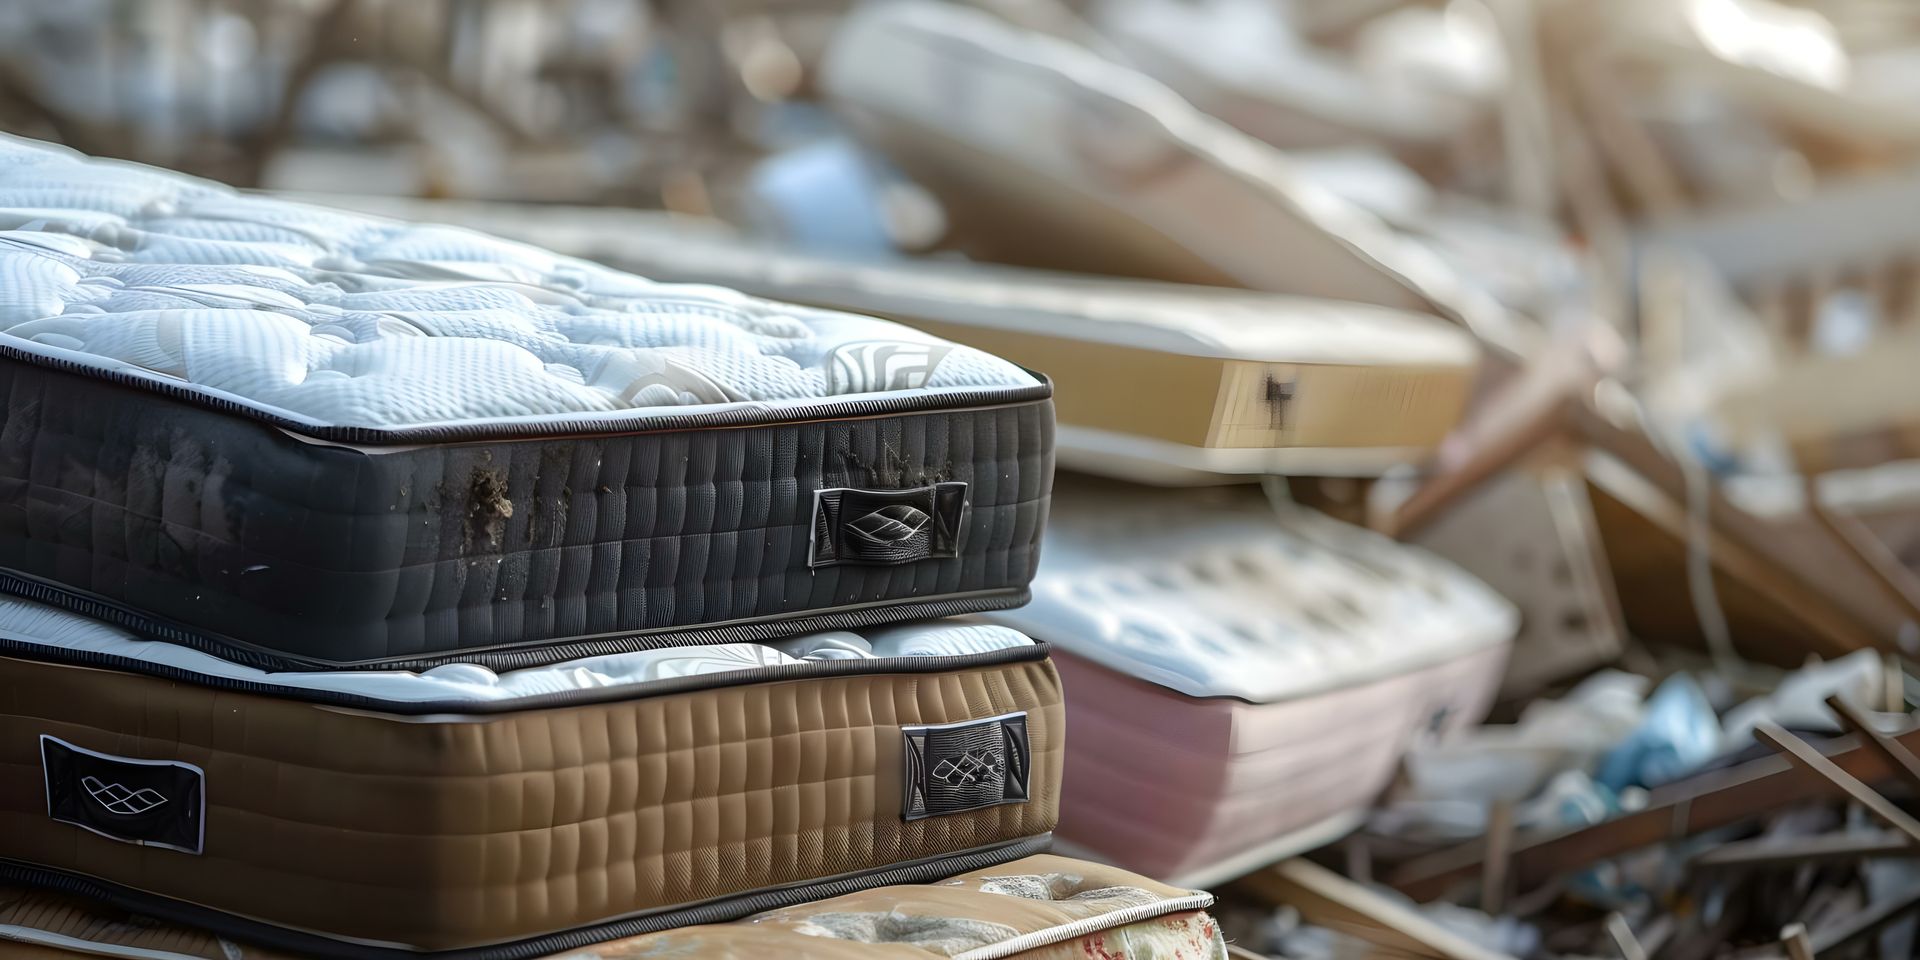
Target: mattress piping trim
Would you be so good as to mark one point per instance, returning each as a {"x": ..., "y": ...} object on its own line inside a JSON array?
[
  {"x": 60, "y": 941},
  {"x": 1034, "y": 939},
  {"x": 753, "y": 414},
  {"x": 1034, "y": 652}
]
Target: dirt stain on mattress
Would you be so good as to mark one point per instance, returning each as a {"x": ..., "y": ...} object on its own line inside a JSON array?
[
  {"x": 894, "y": 470},
  {"x": 488, "y": 508}
]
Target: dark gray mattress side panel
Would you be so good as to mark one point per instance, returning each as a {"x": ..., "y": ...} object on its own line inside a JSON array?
[{"x": 244, "y": 536}]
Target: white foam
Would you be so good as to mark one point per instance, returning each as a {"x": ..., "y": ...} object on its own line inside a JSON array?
[{"x": 34, "y": 623}]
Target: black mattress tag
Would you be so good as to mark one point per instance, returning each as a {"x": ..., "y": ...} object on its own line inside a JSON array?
[
  {"x": 156, "y": 803},
  {"x": 956, "y": 767},
  {"x": 886, "y": 527}
]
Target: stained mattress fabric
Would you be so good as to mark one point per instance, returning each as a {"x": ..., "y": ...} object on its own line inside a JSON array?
[
  {"x": 375, "y": 815},
  {"x": 302, "y": 438},
  {"x": 1038, "y": 908}
]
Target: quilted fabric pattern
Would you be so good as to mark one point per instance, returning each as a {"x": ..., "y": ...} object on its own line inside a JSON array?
[
  {"x": 262, "y": 544},
  {"x": 449, "y": 832},
  {"x": 340, "y": 319}
]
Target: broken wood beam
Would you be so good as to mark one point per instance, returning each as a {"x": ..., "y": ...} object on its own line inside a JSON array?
[
  {"x": 1803, "y": 753},
  {"x": 1865, "y": 922},
  {"x": 1820, "y": 848},
  {"x": 1327, "y": 899},
  {"x": 1859, "y": 724},
  {"x": 1705, "y": 802}
]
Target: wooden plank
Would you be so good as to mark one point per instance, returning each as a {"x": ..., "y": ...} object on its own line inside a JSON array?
[
  {"x": 1623, "y": 938},
  {"x": 1326, "y": 899},
  {"x": 1864, "y": 922},
  {"x": 1706, "y": 802},
  {"x": 1878, "y": 563},
  {"x": 1859, "y": 724},
  {"x": 1493, "y": 877},
  {"x": 1820, "y": 848},
  {"x": 1793, "y": 938},
  {"x": 1803, "y": 753}
]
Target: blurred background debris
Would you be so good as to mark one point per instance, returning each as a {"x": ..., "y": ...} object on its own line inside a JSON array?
[{"x": 1614, "y": 304}]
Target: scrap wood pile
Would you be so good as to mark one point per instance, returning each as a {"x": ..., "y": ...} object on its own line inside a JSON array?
[{"x": 1489, "y": 511}]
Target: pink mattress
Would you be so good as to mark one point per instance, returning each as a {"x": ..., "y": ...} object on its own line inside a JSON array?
[{"x": 1175, "y": 786}]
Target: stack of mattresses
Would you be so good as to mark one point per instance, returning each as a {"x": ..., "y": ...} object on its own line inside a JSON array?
[
  {"x": 1047, "y": 154},
  {"x": 384, "y": 589},
  {"x": 1244, "y": 682}
]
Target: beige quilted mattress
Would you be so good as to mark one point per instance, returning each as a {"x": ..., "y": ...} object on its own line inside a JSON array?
[{"x": 332, "y": 826}]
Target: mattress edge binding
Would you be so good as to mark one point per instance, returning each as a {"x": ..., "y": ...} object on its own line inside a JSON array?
[
  {"x": 902, "y": 403},
  {"x": 1035, "y": 652},
  {"x": 1060, "y": 933}
]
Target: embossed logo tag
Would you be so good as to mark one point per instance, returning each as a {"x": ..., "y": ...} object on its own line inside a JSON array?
[
  {"x": 886, "y": 526},
  {"x": 156, "y": 803},
  {"x": 955, "y": 767}
]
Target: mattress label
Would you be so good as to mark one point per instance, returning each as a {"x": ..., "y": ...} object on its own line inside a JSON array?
[
  {"x": 884, "y": 527},
  {"x": 155, "y": 803},
  {"x": 956, "y": 767}
]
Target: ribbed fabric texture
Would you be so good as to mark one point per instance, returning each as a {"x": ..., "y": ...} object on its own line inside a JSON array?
[
  {"x": 459, "y": 832},
  {"x": 237, "y": 529}
]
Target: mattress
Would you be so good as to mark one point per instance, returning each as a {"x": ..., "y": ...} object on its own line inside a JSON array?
[
  {"x": 460, "y": 812},
  {"x": 1243, "y": 62},
  {"x": 1055, "y": 157},
  {"x": 1037, "y": 908},
  {"x": 303, "y": 438},
  {"x": 1243, "y": 679},
  {"x": 1153, "y": 382}
]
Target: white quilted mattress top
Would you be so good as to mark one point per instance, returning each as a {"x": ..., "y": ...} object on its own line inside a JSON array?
[
  {"x": 28, "y": 622},
  {"x": 339, "y": 319},
  {"x": 1210, "y": 593}
]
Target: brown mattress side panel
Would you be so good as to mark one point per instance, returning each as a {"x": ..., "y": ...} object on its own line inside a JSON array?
[{"x": 441, "y": 832}]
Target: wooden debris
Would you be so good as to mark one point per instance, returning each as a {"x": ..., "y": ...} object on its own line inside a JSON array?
[
  {"x": 1857, "y": 723},
  {"x": 1737, "y": 795},
  {"x": 1820, "y": 848},
  {"x": 1326, "y": 899},
  {"x": 1806, "y": 756}
]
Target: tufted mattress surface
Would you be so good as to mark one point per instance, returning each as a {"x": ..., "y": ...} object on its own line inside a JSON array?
[
  {"x": 1209, "y": 593},
  {"x": 356, "y": 820},
  {"x": 335, "y": 319},
  {"x": 307, "y": 438}
]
